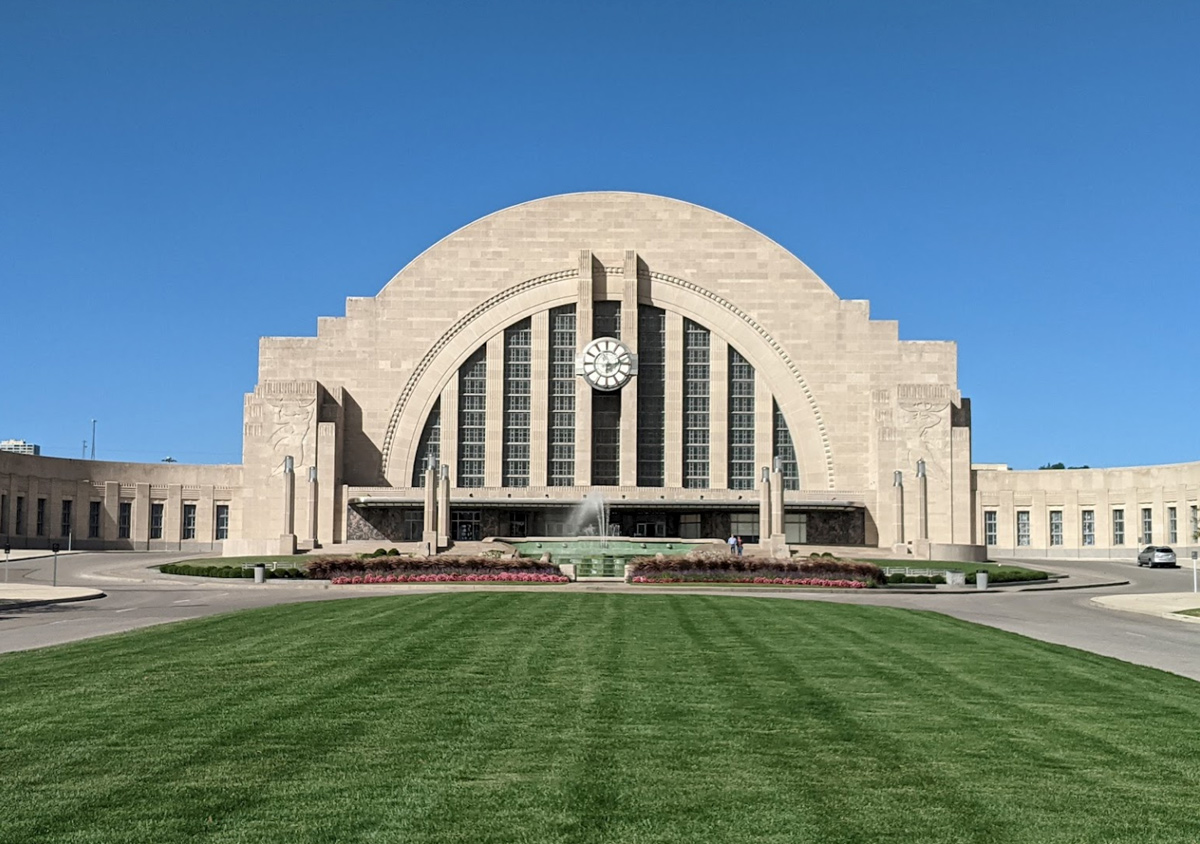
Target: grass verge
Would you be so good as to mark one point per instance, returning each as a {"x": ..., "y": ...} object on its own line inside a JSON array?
[{"x": 590, "y": 718}]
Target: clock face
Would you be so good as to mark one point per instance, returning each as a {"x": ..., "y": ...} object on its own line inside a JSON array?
[{"x": 607, "y": 364}]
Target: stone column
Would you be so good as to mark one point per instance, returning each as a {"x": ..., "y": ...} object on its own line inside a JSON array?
[
  {"x": 314, "y": 508},
  {"x": 429, "y": 533},
  {"x": 287, "y": 538},
  {"x": 764, "y": 507},
  {"x": 778, "y": 527},
  {"x": 922, "y": 502},
  {"x": 443, "y": 505}
]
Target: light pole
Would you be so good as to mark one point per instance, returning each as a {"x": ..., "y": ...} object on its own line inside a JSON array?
[
  {"x": 93, "y": 439},
  {"x": 54, "y": 548},
  {"x": 7, "y": 548}
]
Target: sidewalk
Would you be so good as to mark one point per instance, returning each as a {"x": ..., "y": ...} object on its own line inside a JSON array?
[{"x": 1162, "y": 604}]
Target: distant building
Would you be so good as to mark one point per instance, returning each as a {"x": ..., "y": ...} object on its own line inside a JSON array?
[
  {"x": 20, "y": 447},
  {"x": 691, "y": 372}
]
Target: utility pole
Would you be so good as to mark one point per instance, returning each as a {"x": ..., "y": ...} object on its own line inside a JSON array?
[{"x": 93, "y": 439}]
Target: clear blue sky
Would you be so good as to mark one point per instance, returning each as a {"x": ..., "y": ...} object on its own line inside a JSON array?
[{"x": 177, "y": 179}]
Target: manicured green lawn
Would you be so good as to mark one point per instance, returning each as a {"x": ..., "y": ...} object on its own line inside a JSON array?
[{"x": 590, "y": 718}]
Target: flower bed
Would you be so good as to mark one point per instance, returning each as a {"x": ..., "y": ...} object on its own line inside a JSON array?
[
  {"x": 438, "y": 569},
  {"x": 493, "y": 577},
  {"x": 718, "y": 567},
  {"x": 761, "y": 581}
]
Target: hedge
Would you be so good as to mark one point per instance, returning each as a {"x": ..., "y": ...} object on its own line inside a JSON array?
[
  {"x": 718, "y": 566},
  {"x": 329, "y": 568},
  {"x": 228, "y": 571}
]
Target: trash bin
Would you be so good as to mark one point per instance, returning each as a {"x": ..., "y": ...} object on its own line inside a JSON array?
[
  {"x": 260, "y": 573},
  {"x": 981, "y": 579}
]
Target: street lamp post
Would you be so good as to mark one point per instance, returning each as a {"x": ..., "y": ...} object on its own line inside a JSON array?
[{"x": 54, "y": 548}]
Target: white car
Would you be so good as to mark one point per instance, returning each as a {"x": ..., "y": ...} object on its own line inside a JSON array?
[{"x": 1156, "y": 556}]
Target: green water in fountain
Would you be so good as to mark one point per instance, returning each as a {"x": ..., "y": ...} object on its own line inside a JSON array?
[{"x": 599, "y": 557}]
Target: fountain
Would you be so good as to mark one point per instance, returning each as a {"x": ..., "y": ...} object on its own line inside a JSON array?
[{"x": 596, "y": 547}]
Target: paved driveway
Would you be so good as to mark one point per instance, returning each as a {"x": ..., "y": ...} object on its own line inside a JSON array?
[{"x": 138, "y": 597}]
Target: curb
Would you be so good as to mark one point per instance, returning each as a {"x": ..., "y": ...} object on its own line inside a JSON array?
[
  {"x": 1104, "y": 585},
  {"x": 22, "y": 605}
]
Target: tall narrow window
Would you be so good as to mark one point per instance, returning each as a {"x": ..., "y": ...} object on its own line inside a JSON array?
[
  {"x": 561, "y": 465},
  {"x": 124, "y": 519},
  {"x": 741, "y": 422},
  {"x": 20, "y": 515},
  {"x": 785, "y": 452},
  {"x": 64, "y": 527},
  {"x": 561, "y": 471},
  {"x": 4, "y": 513},
  {"x": 696, "y": 392},
  {"x": 606, "y": 319},
  {"x": 1089, "y": 527},
  {"x": 1147, "y": 525},
  {"x": 222, "y": 521},
  {"x": 1023, "y": 528},
  {"x": 156, "y": 520},
  {"x": 651, "y": 397},
  {"x": 606, "y": 439},
  {"x": 1172, "y": 526},
  {"x": 989, "y": 527},
  {"x": 1056, "y": 527},
  {"x": 93, "y": 520},
  {"x": 429, "y": 447},
  {"x": 472, "y": 419},
  {"x": 40, "y": 520},
  {"x": 1118, "y": 524},
  {"x": 517, "y": 347},
  {"x": 189, "y": 521}
]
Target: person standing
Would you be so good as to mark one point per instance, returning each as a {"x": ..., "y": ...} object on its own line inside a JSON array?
[
  {"x": 739, "y": 546},
  {"x": 733, "y": 543}
]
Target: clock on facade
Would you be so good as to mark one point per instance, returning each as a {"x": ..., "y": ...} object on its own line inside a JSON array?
[{"x": 606, "y": 363}]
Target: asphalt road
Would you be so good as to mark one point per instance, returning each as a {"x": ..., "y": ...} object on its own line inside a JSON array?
[{"x": 139, "y": 597}]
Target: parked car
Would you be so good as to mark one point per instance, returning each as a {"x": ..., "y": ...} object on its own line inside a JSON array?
[{"x": 1159, "y": 555}]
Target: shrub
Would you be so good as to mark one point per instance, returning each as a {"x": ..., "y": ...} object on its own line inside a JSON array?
[
  {"x": 329, "y": 568},
  {"x": 228, "y": 571},
  {"x": 716, "y": 566},
  {"x": 1019, "y": 576}
]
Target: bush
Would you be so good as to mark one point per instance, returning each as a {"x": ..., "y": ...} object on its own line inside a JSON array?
[
  {"x": 1020, "y": 576},
  {"x": 228, "y": 571},
  {"x": 328, "y": 568},
  {"x": 716, "y": 566}
]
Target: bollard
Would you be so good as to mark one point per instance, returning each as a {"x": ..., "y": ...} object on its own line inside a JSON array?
[
  {"x": 981, "y": 579},
  {"x": 260, "y": 573}
]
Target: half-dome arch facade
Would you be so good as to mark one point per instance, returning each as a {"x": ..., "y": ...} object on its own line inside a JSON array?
[{"x": 738, "y": 393}]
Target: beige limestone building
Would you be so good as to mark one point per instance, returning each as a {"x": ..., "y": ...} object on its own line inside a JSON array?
[{"x": 691, "y": 371}]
